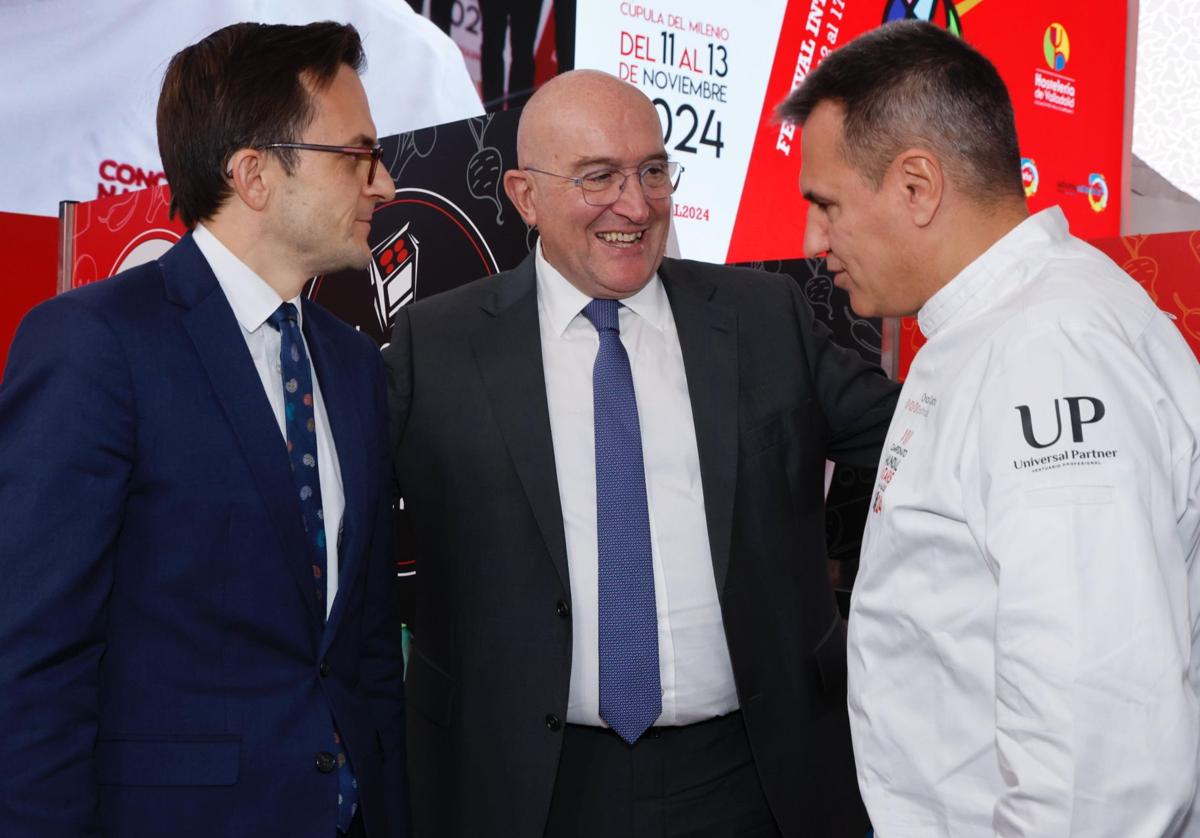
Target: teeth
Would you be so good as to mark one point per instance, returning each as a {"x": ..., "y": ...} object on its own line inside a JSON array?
[{"x": 627, "y": 238}]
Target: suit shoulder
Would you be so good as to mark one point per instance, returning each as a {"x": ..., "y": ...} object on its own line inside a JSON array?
[
  {"x": 130, "y": 286},
  {"x": 119, "y": 298},
  {"x": 684, "y": 270},
  {"x": 730, "y": 284},
  {"x": 464, "y": 298}
]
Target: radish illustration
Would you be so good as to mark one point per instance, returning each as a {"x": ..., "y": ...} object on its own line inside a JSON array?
[
  {"x": 863, "y": 331},
  {"x": 1188, "y": 318},
  {"x": 1142, "y": 268},
  {"x": 413, "y": 144},
  {"x": 120, "y": 211},
  {"x": 484, "y": 167},
  {"x": 819, "y": 291}
]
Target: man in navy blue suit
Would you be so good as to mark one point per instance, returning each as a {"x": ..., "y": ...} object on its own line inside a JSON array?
[{"x": 198, "y": 633}]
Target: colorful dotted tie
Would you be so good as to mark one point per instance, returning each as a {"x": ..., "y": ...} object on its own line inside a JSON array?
[
  {"x": 630, "y": 689},
  {"x": 300, "y": 420}
]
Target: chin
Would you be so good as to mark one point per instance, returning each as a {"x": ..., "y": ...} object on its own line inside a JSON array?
[
  {"x": 862, "y": 308},
  {"x": 627, "y": 286},
  {"x": 356, "y": 259}
]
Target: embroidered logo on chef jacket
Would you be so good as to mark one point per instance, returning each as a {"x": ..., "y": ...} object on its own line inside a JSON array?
[
  {"x": 1081, "y": 411},
  {"x": 1075, "y": 411},
  {"x": 896, "y": 451}
]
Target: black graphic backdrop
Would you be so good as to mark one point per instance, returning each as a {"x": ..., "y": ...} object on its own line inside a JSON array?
[{"x": 451, "y": 223}]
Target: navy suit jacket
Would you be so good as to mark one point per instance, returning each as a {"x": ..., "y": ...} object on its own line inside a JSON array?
[{"x": 164, "y": 666}]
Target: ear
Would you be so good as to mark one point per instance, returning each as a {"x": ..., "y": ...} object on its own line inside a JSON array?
[
  {"x": 519, "y": 188},
  {"x": 246, "y": 176},
  {"x": 920, "y": 176}
]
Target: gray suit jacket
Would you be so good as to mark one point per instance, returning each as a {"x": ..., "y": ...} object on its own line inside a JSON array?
[{"x": 772, "y": 397}]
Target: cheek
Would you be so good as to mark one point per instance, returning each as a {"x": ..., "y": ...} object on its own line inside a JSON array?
[{"x": 840, "y": 236}]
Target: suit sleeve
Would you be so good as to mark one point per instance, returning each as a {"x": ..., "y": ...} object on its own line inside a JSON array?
[
  {"x": 856, "y": 398},
  {"x": 67, "y": 437},
  {"x": 382, "y": 670},
  {"x": 1096, "y": 724}
]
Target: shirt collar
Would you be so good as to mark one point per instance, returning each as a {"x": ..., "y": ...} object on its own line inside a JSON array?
[
  {"x": 998, "y": 268},
  {"x": 250, "y": 297},
  {"x": 561, "y": 301}
]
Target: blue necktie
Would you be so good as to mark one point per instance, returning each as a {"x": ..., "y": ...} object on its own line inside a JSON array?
[
  {"x": 630, "y": 691},
  {"x": 300, "y": 420}
]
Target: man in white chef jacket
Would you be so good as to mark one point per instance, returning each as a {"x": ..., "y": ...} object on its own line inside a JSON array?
[{"x": 1021, "y": 638}]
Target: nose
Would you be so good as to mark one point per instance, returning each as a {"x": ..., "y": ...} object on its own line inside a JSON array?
[
  {"x": 632, "y": 203},
  {"x": 382, "y": 188},
  {"x": 816, "y": 235}
]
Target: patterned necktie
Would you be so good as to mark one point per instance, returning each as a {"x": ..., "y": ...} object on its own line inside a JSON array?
[
  {"x": 630, "y": 691},
  {"x": 300, "y": 421}
]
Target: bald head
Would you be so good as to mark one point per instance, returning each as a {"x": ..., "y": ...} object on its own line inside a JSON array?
[
  {"x": 576, "y": 103},
  {"x": 585, "y": 146}
]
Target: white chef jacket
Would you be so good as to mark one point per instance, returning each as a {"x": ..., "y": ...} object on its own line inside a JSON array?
[{"x": 1023, "y": 622}]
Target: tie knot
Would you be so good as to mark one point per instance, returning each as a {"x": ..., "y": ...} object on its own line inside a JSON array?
[
  {"x": 603, "y": 314},
  {"x": 286, "y": 311}
]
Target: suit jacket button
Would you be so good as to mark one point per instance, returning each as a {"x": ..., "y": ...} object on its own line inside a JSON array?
[
  {"x": 326, "y": 762},
  {"x": 323, "y": 669},
  {"x": 553, "y": 722},
  {"x": 562, "y": 609}
]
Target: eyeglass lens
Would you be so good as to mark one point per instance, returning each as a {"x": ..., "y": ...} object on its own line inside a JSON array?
[{"x": 658, "y": 181}]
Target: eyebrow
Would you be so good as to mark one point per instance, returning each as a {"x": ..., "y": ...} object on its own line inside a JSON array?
[
  {"x": 589, "y": 162},
  {"x": 363, "y": 140},
  {"x": 814, "y": 197}
]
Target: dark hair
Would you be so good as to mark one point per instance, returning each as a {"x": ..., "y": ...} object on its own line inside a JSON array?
[
  {"x": 243, "y": 86},
  {"x": 912, "y": 83}
]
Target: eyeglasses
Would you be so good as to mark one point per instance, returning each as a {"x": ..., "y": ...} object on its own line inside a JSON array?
[
  {"x": 603, "y": 187},
  {"x": 374, "y": 152}
]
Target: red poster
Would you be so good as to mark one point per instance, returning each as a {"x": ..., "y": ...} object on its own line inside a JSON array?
[
  {"x": 1065, "y": 66},
  {"x": 717, "y": 72},
  {"x": 119, "y": 231}
]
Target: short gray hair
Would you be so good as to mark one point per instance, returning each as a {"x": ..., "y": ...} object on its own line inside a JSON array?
[{"x": 911, "y": 83}]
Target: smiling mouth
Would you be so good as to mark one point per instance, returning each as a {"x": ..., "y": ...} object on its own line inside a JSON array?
[{"x": 620, "y": 238}]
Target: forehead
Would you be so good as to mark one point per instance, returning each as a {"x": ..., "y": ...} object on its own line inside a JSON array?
[
  {"x": 341, "y": 107},
  {"x": 821, "y": 146},
  {"x": 619, "y": 129}
]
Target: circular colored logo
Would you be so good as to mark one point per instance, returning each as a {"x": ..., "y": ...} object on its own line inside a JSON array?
[
  {"x": 943, "y": 13},
  {"x": 1097, "y": 192},
  {"x": 1057, "y": 47},
  {"x": 1029, "y": 176}
]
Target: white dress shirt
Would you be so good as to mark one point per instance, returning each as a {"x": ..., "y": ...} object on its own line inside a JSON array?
[
  {"x": 1025, "y": 612},
  {"x": 693, "y": 656},
  {"x": 253, "y": 302}
]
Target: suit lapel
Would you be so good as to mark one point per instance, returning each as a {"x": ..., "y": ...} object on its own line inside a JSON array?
[
  {"x": 708, "y": 340},
  {"x": 345, "y": 423},
  {"x": 218, "y": 339},
  {"x": 508, "y": 352}
]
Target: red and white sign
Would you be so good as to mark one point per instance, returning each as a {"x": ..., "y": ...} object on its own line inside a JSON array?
[
  {"x": 117, "y": 232},
  {"x": 716, "y": 71}
]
